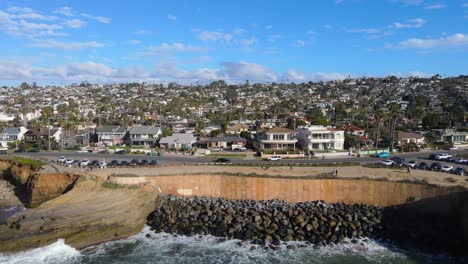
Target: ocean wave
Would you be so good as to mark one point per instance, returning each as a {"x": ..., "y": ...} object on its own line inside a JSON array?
[{"x": 148, "y": 247}]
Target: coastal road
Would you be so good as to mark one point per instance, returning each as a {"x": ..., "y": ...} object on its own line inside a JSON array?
[{"x": 186, "y": 159}]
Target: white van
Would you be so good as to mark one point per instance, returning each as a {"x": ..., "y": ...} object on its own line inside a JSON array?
[{"x": 274, "y": 157}]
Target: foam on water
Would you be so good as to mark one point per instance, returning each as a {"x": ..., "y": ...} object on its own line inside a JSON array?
[
  {"x": 57, "y": 252},
  {"x": 166, "y": 248}
]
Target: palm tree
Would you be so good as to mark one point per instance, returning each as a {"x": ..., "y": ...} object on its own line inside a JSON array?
[
  {"x": 393, "y": 115},
  {"x": 380, "y": 116}
]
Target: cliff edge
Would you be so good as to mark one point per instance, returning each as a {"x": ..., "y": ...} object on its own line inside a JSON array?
[{"x": 93, "y": 211}]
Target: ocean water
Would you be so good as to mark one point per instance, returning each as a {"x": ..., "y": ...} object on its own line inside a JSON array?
[{"x": 166, "y": 248}]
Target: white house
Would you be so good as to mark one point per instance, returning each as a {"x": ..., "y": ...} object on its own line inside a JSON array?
[
  {"x": 12, "y": 134},
  {"x": 320, "y": 138},
  {"x": 144, "y": 135},
  {"x": 111, "y": 135},
  {"x": 178, "y": 141},
  {"x": 277, "y": 138},
  {"x": 410, "y": 137}
]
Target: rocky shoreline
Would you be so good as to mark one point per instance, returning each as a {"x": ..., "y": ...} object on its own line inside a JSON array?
[{"x": 264, "y": 222}]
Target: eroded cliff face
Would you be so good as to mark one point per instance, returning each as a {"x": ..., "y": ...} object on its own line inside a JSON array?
[
  {"x": 44, "y": 187},
  {"x": 92, "y": 212},
  {"x": 15, "y": 172}
]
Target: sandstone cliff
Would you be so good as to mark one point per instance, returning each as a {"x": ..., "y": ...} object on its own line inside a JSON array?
[
  {"x": 44, "y": 187},
  {"x": 92, "y": 212}
]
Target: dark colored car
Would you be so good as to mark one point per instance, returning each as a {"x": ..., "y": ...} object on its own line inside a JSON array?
[
  {"x": 460, "y": 171},
  {"x": 223, "y": 160},
  {"x": 3, "y": 151},
  {"x": 423, "y": 166},
  {"x": 153, "y": 163},
  {"x": 432, "y": 156},
  {"x": 436, "y": 166},
  {"x": 113, "y": 163},
  {"x": 133, "y": 162},
  {"x": 397, "y": 159},
  {"x": 94, "y": 163},
  {"x": 124, "y": 163},
  {"x": 398, "y": 163},
  {"x": 143, "y": 162},
  {"x": 19, "y": 150},
  {"x": 33, "y": 150}
]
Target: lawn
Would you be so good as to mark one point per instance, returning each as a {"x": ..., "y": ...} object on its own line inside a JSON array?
[{"x": 27, "y": 161}]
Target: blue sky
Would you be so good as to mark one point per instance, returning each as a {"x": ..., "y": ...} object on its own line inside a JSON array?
[{"x": 53, "y": 42}]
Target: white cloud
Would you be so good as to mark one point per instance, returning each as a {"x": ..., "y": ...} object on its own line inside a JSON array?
[
  {"x": 273, "y": 38},
  {"x": 364, "y": 30},
  {"x": 268, "y": 27},
  {"x": 248, "y": 41},
  {"x": 75, "y": 23},
  {"x": 214, "y": 36},
  {"x": 465, "y": 5},
  {"x": 412, "y": 23},
  {"x": 64, "y": 10},
  {"x": 142, "y": 32},
  {"x": 293, "y": 75},
  {"x": 171, "y": 17},
  {"x": 133, "y": 42},
  {"x": 175, "y": 47},
  {"x": 299, "y": 43},
  {"x": 455, "y": 40},
  {"x": 327, "y": 26},
  {"x": 52, "y": 43},
  {"x": 435, "y": 6},
  {"x": 19, "y": 9},
  {"x": 238, "y": 31},
  {"x": 101, "y": 19}
]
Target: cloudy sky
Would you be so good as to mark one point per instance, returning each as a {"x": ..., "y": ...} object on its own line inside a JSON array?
[{"x": 54, "y": 42}]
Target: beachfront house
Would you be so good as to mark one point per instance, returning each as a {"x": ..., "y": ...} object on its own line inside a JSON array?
[
  {"x": 276, "y": 138},
  {"x": 178, "y": 141},
  {"x": 111, "y": 135},
  {"x": 144, "y": 135},
  {"x": 11, "y": 134},
  {"x": 320, "y": 138}
]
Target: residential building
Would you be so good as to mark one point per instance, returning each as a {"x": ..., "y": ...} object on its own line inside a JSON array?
[
  {"x": 111, "y": 135},
  {"x": 320, "y": 138},
  {"x": 144, "y": 135},
  {"x": 12, "y": 134},
  {"x": 353, "y": 130},
  {"x": 224, "y": 142},
  {"x": 178, "y": 141},
  {"x": 277, "y": 138},
  {"x": 410, "y": 137},
  {"x": 237, "y": 129},
  {"x": 457, "y": 137}
]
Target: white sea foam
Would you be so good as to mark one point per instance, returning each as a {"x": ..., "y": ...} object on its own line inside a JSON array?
[
  {"x": 57, "y": 252},
  {"x": 167, "y": 248}
]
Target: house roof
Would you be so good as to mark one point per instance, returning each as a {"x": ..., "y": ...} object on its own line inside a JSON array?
[
  {"x": 145, "y": 130},
  {"x": 237, "y": 127},
  {"x": 12, "y": 130},
  {"x": 111, "y": 129},
  {"x": 279, "y": 130},
  {"x": 179, "y": 138},
  {"x": 406, "y": 135}
]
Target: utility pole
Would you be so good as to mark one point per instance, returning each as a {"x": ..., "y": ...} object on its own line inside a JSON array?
[{"x": 48, "y": 128}]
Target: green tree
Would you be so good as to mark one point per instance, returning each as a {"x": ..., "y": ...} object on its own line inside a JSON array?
[
  {"x": 215, "y": 133},
  {"x": 166, "y": 132}
]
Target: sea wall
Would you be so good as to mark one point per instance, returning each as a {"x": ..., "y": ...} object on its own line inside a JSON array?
[{"x": 293, "y": 189}]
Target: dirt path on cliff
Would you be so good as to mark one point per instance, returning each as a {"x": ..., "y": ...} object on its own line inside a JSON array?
[{"x": 431, "y": 177}]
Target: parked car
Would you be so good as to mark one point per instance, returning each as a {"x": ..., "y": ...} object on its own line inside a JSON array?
[
  {"x": 460, "y": 171},
  {"x": 432, "y": 156},
  {"x": 412, "y": 163},
  {"x": 124, "y": 163},
  {"x": 68, "y": 162},
  {"x": 143, "y": 162},
  {"x": 113, "y": 163},
  {"x": 76, "y": 163},
  {"x": 133, "y": 162},
  {"x": 447, "y": 168},
  {"x": 61, "y": 159},
  {"x": 241, "y": 149},
  {"x": 436, "y": 166},
  {"x": 3, "y": 151},
  {"x": 274, "y": 158},
  {"x": 383, "y": 155},
  {"x": 94, "y": 163},
  {"x": 222, "y": 160},
  {"x": 423, "y": 166},
  {"x": 33, "y": 150},
  {"x": 398, "y": 159},
  {"x": 120, "y": 151},
  {"x": 442, "y": 156},
  {"x": 102, "y": 164},
  {"x": 84, "y": 162},
  {"x": 387, "y": 162},
  {"x": 153, "y": 163},
  {"x": 461, "y": 161}
]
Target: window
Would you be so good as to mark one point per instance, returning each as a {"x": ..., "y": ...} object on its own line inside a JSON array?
[{"x": 278, "y": 136}]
